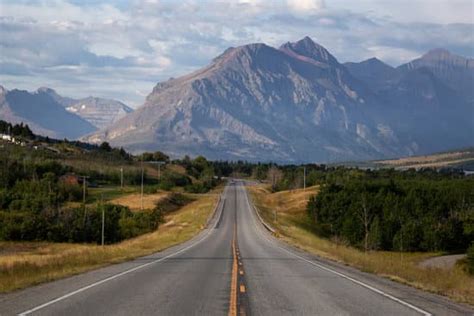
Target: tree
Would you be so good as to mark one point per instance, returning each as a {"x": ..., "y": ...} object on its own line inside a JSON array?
[
  {"x": 365, "y": 213},
  {"x": 160, "y": 156},
  {"x": 274, "y": 175},
  {"x": 105, "y": 146}
]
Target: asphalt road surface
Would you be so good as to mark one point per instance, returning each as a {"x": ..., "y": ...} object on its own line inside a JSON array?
[{"x": 234, "y": 267}]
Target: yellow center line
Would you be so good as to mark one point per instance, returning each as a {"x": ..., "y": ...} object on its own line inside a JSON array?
[
  {"x": 242, "y": 288},
  {"x": 233, "y": 285}
]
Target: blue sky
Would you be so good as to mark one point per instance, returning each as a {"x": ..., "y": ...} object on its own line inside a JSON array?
[{"x": 121, "y": 49}]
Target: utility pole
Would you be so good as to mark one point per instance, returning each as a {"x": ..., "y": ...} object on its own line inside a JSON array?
[
  {"x": 103, "y": 220},
  {"x": 84, "y": 189},
  {"x": 121, "y": 178},
  {"x": 141, "y": 198},
  {"x": 304, "y": 178},
  {"x": 84, "y": 198},
  {"x": 159, "y": 163}
]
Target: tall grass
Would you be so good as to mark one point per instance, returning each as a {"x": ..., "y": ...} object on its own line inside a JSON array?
[{"x": 292, "y": 225}]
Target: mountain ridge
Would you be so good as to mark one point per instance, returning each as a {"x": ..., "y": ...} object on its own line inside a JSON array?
[
  {"x": 296, "y": 103},
  {"x": 54, "y": 115},
  {"x": 274, "y": 100}
]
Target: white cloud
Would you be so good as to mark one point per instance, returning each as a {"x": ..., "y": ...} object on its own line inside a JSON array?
[
  {"x": 413, "y": 11},
  {"x": 305, "y": 6},
  {"x": 114, "y": 50}
]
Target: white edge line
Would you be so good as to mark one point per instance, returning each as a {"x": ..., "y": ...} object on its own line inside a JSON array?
[
  {"x": 393, "y": 298},
  {"x": 85, "y": 288}
]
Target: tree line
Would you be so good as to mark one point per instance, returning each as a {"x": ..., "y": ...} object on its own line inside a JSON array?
[{"x": 408, "y": 211}]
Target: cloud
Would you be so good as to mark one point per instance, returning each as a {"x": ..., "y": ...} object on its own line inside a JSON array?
[
  {"x": 306, "y": 6},
  {"x": 123, "y": 48}
]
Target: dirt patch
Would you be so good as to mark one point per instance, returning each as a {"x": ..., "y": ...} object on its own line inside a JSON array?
[{"x": 442, "y": 262}]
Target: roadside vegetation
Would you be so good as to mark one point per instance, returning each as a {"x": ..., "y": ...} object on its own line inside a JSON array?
[
  {"x": 52, "y": 190},
  {"x": 56, "y": 196},
  {"x": 287, "y": 212},
  {"x": 24, "y": 264}
]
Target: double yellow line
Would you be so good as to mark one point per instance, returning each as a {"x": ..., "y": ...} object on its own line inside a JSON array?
[{"x": 233, "y": 283}]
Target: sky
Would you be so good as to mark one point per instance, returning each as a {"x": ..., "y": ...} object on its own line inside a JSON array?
[{"x": 120, "y": 49}]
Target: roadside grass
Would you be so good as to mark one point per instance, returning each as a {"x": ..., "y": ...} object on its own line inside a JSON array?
[
  {"x": 293, "y": 226},
  {"x": 23, "y": 264}
]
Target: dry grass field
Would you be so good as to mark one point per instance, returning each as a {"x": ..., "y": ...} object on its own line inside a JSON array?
[
  {"x": 24, "y": 264},
  {"x": 292, "y": 225},
  {"x": 133, "y": 201},
  {"x": 430, "y": 161}
]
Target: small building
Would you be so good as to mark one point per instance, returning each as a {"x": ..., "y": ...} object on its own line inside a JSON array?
[
  {"x": 7, "y": 138},
  {"x": 70, "y": 179}
]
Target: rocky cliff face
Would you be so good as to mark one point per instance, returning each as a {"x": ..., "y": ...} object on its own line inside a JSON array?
[{"x": 99, "y": 112}]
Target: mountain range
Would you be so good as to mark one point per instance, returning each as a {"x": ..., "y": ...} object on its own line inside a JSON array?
[
  {"x": 51, "y": 114},
  {"x": 295, "y": 103},
  {"x": 298, "y": 103}
]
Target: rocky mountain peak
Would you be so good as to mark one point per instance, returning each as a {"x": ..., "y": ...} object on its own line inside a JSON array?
[
  {"x": 46, "y": 90},
  {"x": 3, "y": 90},
  {"x": 307, "y": 48},
  {"x": 455, "y": 71},
  {"x": 437, "y": 53},
  {"x": 440, "y": 57},
  {"x": 375, "y": 61},
  {"x": 246, "y": 52}
]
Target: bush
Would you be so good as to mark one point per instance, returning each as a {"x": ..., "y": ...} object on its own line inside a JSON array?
[
  {"x": 196, "y": 188},
  {"x": 173, "y": 179}
]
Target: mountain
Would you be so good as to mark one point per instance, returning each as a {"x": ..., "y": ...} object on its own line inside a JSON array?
[
  {"x": 298, "y": 103},
  {"x": 428, "y": 102},
  {"x": 423, "y": 109},
  {"x": 64, "y": 101},
  {"x": 374, "y": 72},
  {"x": 99, "y": 112},
  {"x": 256, "y": 102},
  {"x": 42, "y": 113},
  {"x": 455, "y": 71}
]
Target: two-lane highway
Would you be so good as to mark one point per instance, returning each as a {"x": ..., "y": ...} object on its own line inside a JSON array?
[{"x": 232, "y": 266}]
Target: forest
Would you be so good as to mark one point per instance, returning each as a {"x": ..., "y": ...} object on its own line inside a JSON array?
[{"x": 406, "y": 211}]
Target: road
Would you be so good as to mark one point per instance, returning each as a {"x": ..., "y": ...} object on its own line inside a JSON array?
[{"x": 233, "y": 267}]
